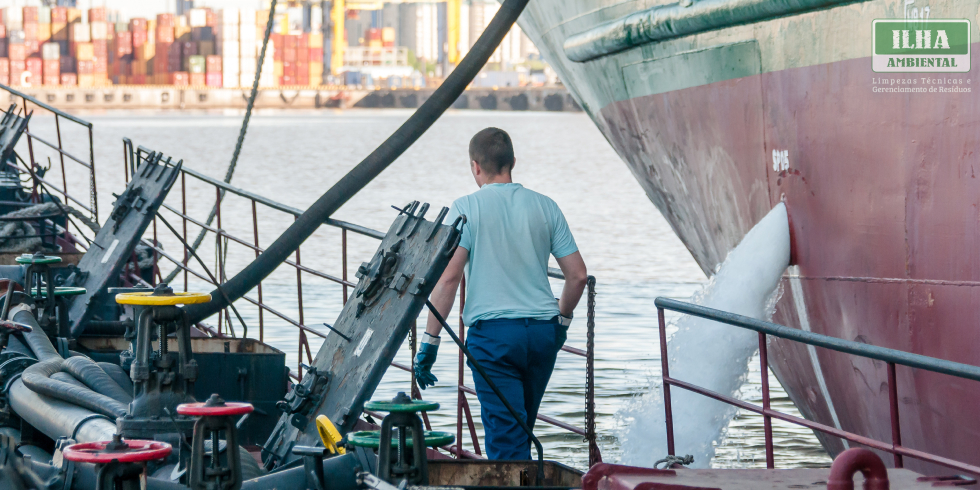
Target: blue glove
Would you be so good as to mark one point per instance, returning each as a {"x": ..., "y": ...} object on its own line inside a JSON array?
[{"x": 424, "y": 360}]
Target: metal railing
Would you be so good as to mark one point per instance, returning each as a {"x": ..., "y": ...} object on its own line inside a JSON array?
[
  {"x": 27, "y": 104},
  {"x": 891, "y": 357},
  {"x": 304, "y": 331}
]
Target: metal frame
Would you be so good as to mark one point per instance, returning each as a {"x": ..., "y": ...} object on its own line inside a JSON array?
[
  {"x": 890, "y": 356},
  {"x": 304, "y": 349},
  {"x": 93, "y": 206}
]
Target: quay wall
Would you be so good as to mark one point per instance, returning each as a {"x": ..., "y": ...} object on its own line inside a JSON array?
[{"x": 172, "y": 97}]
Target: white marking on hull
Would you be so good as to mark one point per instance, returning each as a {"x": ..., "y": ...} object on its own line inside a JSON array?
[{"x": 796, "y": 288}]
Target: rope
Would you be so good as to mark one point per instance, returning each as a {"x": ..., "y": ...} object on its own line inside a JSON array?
[
  {"x": 241, "y": 136},
  {"x": 670, "y": 461}
]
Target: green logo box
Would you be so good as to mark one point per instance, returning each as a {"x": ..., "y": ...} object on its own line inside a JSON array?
[{"x": 935, "y": 45}]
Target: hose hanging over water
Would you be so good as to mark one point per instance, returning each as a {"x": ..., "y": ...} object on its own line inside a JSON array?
[
  {"x": 241, "y": 137},
  {"x": 369, "y": 168}
]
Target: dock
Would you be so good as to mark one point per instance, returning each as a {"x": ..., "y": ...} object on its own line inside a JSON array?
[{"x": 555, "y": 99}]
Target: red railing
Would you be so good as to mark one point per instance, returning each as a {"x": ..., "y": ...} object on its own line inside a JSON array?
[
  {"x": 891, "y": 357},
  {"x": 183, "y": 263}
]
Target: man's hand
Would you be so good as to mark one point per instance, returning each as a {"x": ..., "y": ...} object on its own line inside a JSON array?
[
  {"x": 425, "y": 359},
  {"x": 573, "y": 268}
]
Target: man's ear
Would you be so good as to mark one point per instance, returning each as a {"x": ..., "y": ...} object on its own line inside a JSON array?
[{"x": 476, "y": 167}]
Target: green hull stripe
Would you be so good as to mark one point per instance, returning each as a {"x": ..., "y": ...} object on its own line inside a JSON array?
[
  {"x": 692, "y": 68},
  {"x": 675, "y": 20}
]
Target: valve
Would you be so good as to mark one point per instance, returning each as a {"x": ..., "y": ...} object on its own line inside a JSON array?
[
  {"x": 162, "y": 380},
  {"x": 120, "y": 465},
  {"x": 215, "y": 416},
  {"x": 411, "y": 466},
  {"x": 52, "y": 314}
]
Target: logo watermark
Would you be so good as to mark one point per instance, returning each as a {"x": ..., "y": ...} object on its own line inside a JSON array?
[{"x": 920, "y": 46}]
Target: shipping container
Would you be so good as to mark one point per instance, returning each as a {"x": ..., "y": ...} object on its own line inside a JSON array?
[
  {"x": 59, "y": 15},
  {"x": 196, "y": 64},
  {"x": 51, "y": 51},
  {"x": 198, "y": 79},
  {"x": 180, "y": 79},
  {"x": 83, "y": 51},
  {"x": 79, "y": 33},
  {"x": 85, "y": 67},
  {"x": 16, "y": 52},
  {"x": 99, "y": 30},
  {"x": 29, "y": 15},
  {"x": 74, "y": 15},
  {"x": 198, "y": 18},
  {"x": 213, "y": 79},
  {"x": 97, "y": 14},
  {"x": 71, "y": 80}
]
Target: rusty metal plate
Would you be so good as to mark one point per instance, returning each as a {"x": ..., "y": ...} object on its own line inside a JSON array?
[
  {"x": 113, "y": 246},
  {"x": 388, "y": 298}
]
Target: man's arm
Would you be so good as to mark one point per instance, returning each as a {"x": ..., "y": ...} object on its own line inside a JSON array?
[
  {"x": 444, "y": 293},
  {"x": 573, "y": 267}
]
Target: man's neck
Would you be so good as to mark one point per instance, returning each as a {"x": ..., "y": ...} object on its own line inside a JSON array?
[{"x": 500, "y": 179}]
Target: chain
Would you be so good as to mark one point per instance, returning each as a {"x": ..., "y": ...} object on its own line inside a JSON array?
[{"x": 590, "y": 429}]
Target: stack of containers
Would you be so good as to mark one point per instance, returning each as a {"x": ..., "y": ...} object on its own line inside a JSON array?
[
  {"x": 16, "y": 51},
  {"x": 143, "y": 51},
  {"x": 316, "y": 58},
  {"x": 230, "y": 49},
  {"x": 122, "y": 55},
  {"x": 60, "y": 36},
  {"x": 81, "y": 49},
  {"x": 269, "y": 78},
  {"x": 248, "y": 46},
  {"x": 166, "y": 61},
  {"x": 99, "y": 28},
  {"x": 51, "y": 56},
  {"x": 197, "y": 69},
  {"x": 212, "y": 76},
  {"x": 33, "y": 66}
]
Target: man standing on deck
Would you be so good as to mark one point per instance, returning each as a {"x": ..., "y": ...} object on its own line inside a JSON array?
[{"x": 516, "y": 325}]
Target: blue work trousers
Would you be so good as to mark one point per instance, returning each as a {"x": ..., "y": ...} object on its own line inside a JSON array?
[{"x": 519, "y": 356}]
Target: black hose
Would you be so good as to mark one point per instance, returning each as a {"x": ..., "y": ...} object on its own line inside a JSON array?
[
  {"x": 36, "y": 339},
  {"x": 37, "y": 378},
  {"x": 118, "y": 374},
  {"x": 383, "y": 156},
  {"x": 88, "y": 372}
]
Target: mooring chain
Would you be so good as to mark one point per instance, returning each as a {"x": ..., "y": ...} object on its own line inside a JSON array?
[{"x": 670, "y": 461}]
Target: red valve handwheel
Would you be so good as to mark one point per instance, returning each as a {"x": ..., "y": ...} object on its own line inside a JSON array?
[
  {"x": 204, "y": 410},
  {"x": 138, "y": 451}
]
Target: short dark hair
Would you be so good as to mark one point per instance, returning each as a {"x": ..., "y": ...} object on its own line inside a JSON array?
[{"x": 492, "y": 150}]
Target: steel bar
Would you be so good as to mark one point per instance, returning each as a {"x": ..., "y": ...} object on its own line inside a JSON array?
[
  {"x": 255, "y": 233},
  {"x": 951, "y": 368},
  {"x": 460, "y": 398},
  {"x": 665, "y": 372},
  {"x": 767, "y": 420},
  {"x": 50, "y": 186},
  {"x": 61, "y": 155},
  {"x": 471, "y": 426},
  {"x": 866, "y": 441},
  {"x": 893, "y": 409},
  {"x": 57, "y": 148},
  {"x": 46, "y": 106},
  {"x": 343, "y": 267},
  {"x": 94, "y": 188}
]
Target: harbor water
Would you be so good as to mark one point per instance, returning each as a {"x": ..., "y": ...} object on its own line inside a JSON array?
[{"x": 293, "y": 157}]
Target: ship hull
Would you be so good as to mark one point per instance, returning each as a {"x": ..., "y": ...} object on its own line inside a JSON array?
[{"x": 882, "y": 191}]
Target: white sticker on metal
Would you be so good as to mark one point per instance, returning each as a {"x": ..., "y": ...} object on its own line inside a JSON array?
[
  {"x": 363, "y": 344},
  {"x": 112, "y": 248}
]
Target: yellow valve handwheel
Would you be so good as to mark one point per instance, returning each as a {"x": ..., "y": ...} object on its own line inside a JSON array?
[
  {"x": 329, "y": 435},
  {"x": 148, "y": 299}
]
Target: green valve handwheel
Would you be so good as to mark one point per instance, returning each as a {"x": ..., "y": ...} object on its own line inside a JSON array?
[
  {"x": 37, "y": 259},
  {"x": 372, "y": 439},
  {"x": 64, "y": 291},
  {"x": 401, "y": 406}
]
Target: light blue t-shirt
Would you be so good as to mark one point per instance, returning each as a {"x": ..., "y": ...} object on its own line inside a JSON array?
[{"x": 510, "y": 231}]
